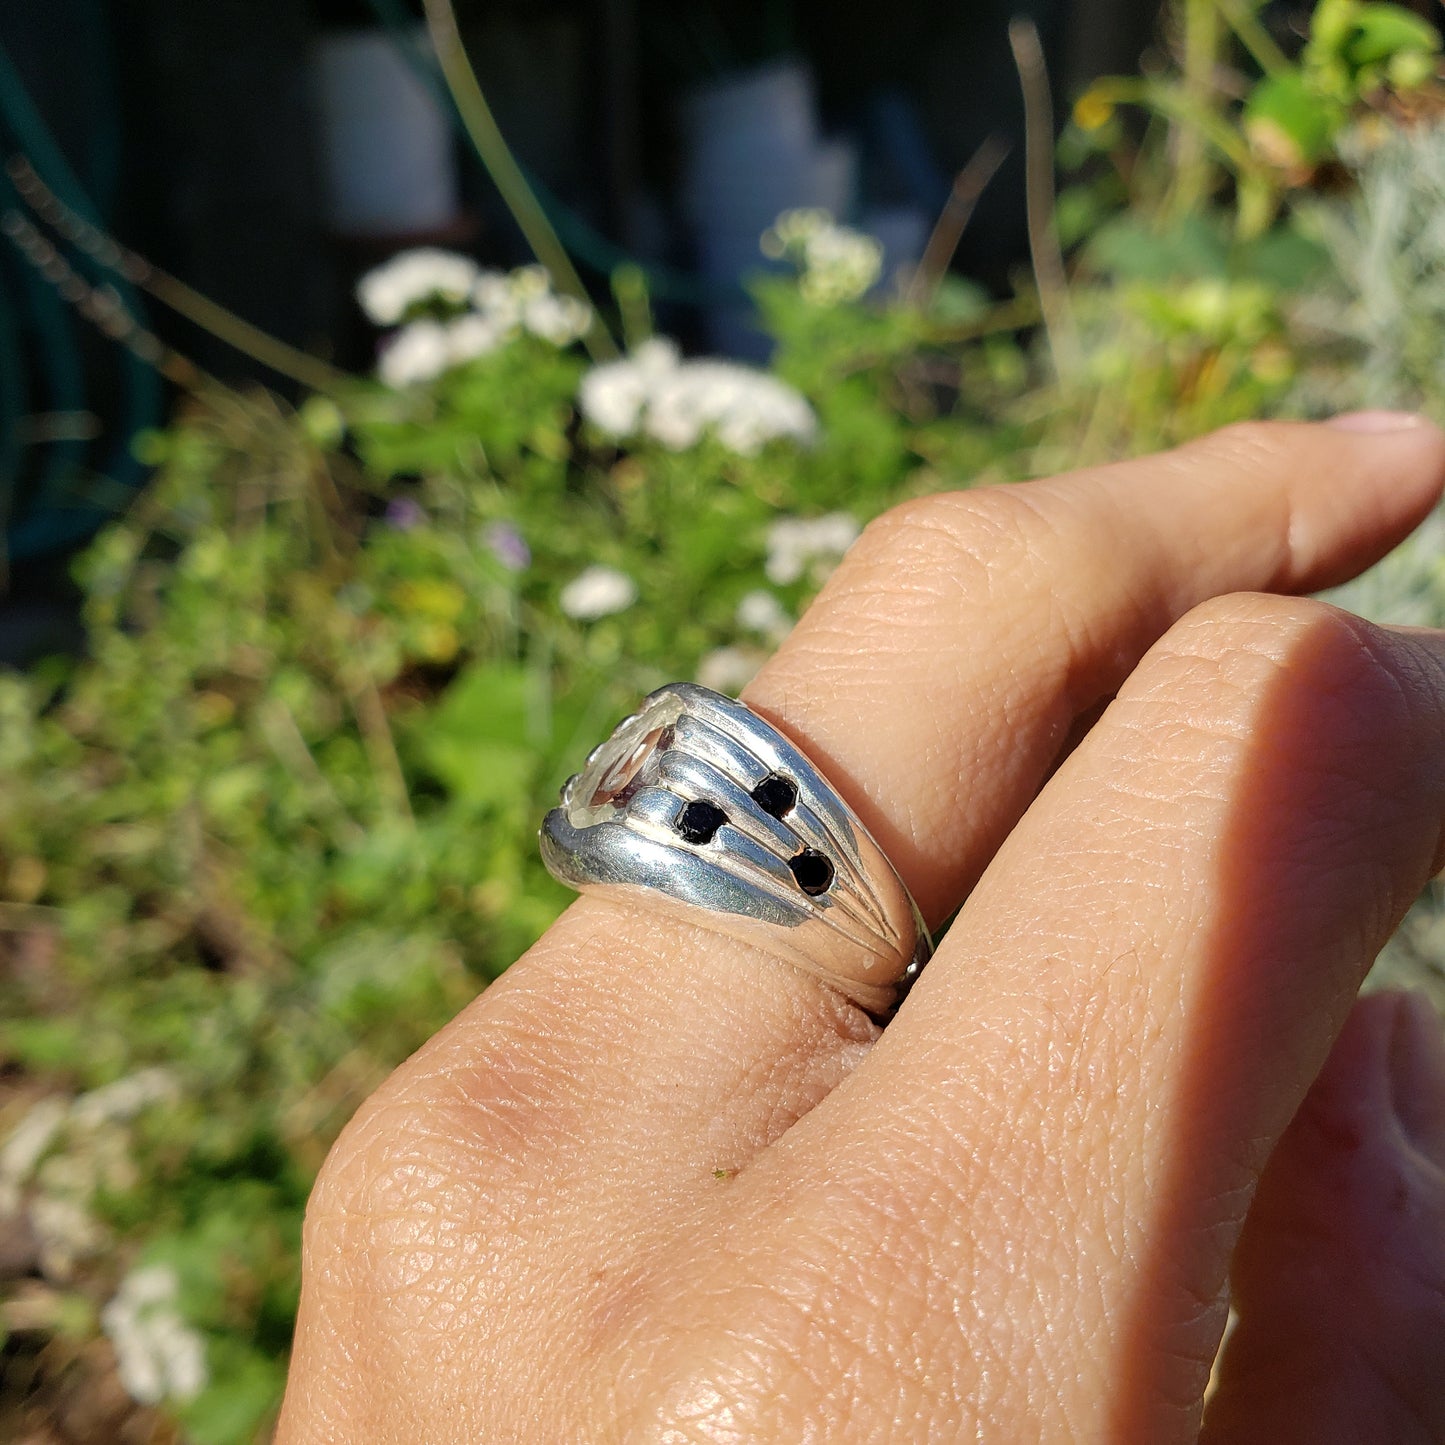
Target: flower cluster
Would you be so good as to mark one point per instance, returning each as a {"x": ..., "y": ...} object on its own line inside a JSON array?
[
  {"x": 65, "y": 1151},
  {"x": 655, "y": 393},
  {"x": 417, "y": 281},
  {"x": 799, "y": 546},
  {"x": 456, "y": 312},
  {"x": 837, "y": 264},
  {"x": 158, "y": 1355}
]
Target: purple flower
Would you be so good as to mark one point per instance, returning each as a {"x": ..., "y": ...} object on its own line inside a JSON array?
[
  {"x": 508, "y": 546},
  {"x": 403, "y": 514}
]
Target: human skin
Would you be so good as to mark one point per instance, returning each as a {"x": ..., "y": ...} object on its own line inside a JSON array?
[{"x": 655, "y": 1186}]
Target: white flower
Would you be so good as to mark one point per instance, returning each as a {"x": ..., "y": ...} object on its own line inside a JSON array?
[
  {"x": 65, "y": 1232},
  {"x": 474, "y": 335},
  {"x": 837, "y": 264},
  {"x": 761, "y": 612},
  {"x": 598, "y": 592},
  {"x": 558, "y": 319},
  {"x": 729, "y": 669},
  {"x": 413, "y": 278},
  {"x": 26, "y": 1146},
  {"x": 679, "y": 408},
  {"x": 525, "y": 300},
  {"x": 501, "y": 305},
  {"x": 158, "y": 1355},
  {"x": 124, "y": 1099},
  {"x": 417, "y": 353},
  {"x": 796, "y": 545},
  {"x": 615, "y": 394},
  {"x": 793, "y": 230},
  {"x": 495, "y": 296},
  {"x": 840, "y": 265},
  {"x": 676, "y": 402},
  {"x": 530, "y": 282},
  {"x": 421, "y": 351}
]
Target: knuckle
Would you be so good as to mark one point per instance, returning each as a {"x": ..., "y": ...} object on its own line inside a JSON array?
[
  {"x": 1318, "y": 689},
  {"x": 1249, "y": 446},
  {"x": 442, "y": 1160},
  {"x": 993, "y": 531},
  {"x": 412, "y": 1231},
  {"x": 372, "y": 1172},
  {"x": 746, "y": 1379},
  {"x": 1248, "y": 623}
]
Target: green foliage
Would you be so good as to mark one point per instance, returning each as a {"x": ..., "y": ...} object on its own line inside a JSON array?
[{"x": 1276, "y": 131}]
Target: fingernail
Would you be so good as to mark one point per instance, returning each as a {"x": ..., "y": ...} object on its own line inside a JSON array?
[
  {"x": 1417, "y": 1073},
  {"x": 1376, "y": 421}
]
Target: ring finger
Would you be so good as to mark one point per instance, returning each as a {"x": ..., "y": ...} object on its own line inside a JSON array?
[{"x": 936, "y": 681}]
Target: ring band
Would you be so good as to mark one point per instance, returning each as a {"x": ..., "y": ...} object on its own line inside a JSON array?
[{"x": 698, "y": 802}]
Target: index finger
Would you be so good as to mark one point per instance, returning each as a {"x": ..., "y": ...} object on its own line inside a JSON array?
[{"x": 940, "y": 673}]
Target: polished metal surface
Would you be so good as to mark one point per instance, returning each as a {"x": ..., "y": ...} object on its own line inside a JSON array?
[{"x": 697, "y": 802}]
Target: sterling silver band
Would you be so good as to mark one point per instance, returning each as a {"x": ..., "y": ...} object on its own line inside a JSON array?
[{"x": 699, "y": 803}]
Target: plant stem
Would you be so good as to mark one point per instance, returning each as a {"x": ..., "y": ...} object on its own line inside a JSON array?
[
  {"x": 502, "y": 166},
  {"x": 968, "y": 186},
  {"x": 634, "y": 305},
  {"x": 376, "y": 737},
  {"x": 1242, "y": 19},
  {"x": 283, "y": 736},
  {"x": 1203, "y": 40},
  {"x": 100, "y": 305},
  {"x": 288, "y": 361},
  {"x": 1044, "y": 248},
  {"x": 1170, "y": 101}
]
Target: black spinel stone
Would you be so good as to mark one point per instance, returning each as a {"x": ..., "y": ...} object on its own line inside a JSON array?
[
  {"x": 775, "y": 795},
  {"x": 813, "y": 872},
  {"x": 699, "y": 822}
]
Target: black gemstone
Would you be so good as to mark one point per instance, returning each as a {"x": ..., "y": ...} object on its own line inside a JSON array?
[
  {"x": 813, "y": 872},
  {"x": 776, "y": 795},
  {"x": 699, "y": 822}
]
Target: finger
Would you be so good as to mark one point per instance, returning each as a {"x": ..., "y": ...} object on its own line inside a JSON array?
[
  {"x": 935, "y": 681},
  {"x": 1054, "y": 1143},
  {"x": 1339, "y": 1278},
  {"x": 941, "y": 670}
]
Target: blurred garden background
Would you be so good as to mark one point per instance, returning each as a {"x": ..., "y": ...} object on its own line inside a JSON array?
[{"x": 392, "y": 394}]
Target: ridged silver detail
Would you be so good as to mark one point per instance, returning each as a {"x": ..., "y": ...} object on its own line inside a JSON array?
[{"x": 617, "y": 829}]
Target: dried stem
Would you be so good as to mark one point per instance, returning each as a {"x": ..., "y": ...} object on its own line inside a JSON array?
[
  {"x": 284, "y": 737},
  {"x": 502, "y": 166},
  {"x": 288, "y": 361},
  {"x": 1204, "y": 35},
  {"x": 100, "y": 305},
  {"x": 968, "y": 186},
  {"x": 1242, "y": 18},
  {"x": 1048, "y": 259}
]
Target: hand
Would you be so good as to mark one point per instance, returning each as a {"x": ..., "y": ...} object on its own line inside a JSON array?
[{"x": 656, "y": 1187}]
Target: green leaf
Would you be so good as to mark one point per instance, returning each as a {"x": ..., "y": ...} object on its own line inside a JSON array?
[
  {"x": 246, "y": 1388},
  {"x": 1383, "y": 31},
  {"x": 1289, "y": 123},
  {"x": 958, "y": 302},
  {"x": 1131, "y": 250},
  {"x": 483, "y": 740},
  {"x": 1282, "y": 258}
]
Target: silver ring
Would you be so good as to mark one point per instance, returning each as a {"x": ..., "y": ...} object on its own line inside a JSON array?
[{"x": 699, "y": 803}]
